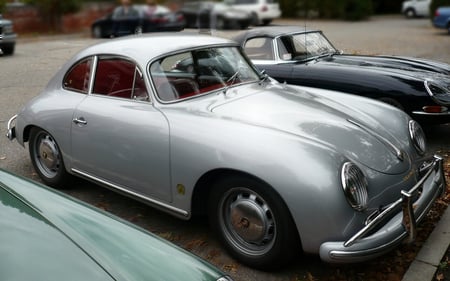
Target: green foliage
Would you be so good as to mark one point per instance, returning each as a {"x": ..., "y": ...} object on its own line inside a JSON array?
[
  {"x": 2, "y": 5},
  {"x": 57, "y": 6},
  {"x": 331, "y": 9},
  {"x": 437, "y": 3},
  {"x": 53, "y": 10}
]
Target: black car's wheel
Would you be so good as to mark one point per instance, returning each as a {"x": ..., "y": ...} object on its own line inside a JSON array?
[
  {"x": 253, "y": 222},
  {"x": 410, "y": 13},
  {"x": 267, "y": 22},
  {"x": 8, "y": 49},
  {"x": 220, "y": 23},
  {"x": 255, "y": 19},
  {"x": 47, "y": 159},
  {"x": 97, "y": 32}
]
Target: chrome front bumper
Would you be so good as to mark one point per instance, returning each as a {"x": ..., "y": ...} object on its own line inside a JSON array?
[
  {"x": 11, "y": 130},
  {"x": 363, "y": 246}
]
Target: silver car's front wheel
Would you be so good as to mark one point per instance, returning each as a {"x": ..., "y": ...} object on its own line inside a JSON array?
[
  {"x": 252, "y": 222},
  {"x": 46, "y": 158}
]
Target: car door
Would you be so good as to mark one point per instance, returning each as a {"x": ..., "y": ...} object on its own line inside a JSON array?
[{"x": 118, "y": 137}]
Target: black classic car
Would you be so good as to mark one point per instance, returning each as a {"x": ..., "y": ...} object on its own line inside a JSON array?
[
  {"x": 162, "y": 19},
  {"x": 7, "y": 37},
  {"x": 306, "y": 57}
]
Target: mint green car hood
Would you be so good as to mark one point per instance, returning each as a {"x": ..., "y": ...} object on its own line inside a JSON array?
[{"x": 57, "y": 238}]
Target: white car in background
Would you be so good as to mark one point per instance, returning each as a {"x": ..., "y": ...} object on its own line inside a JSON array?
[
  {"x": 262, "y": 11},
  {"x": 416, "y": 8}
]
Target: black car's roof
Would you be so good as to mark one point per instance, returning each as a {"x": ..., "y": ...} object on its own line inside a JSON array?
[{"x": 271, "y": 31}]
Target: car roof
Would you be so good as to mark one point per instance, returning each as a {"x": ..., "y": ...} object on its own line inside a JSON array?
[
  {"x": 149, "y": 46},
  {"x": 271, "y": 31}
]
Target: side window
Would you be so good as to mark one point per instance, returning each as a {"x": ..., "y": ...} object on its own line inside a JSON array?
[
  {"x": 259, "y": 48},
  {"x": 77, "y": 78},
  {"x": 117, "y": 77}
]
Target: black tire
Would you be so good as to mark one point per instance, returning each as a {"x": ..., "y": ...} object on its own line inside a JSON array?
[
  {"x": 8, "y": 50},
  {"x": 410, "y": 13},
  {"x": 253, "y": 223},
  {"x": 266, "y": 22},
  {"x": 220, "y": 24},
  {"x": 255, "y": 19},
  {"x": 97, "y": 32},
  {"x": 393, "y": 102},
  {"x": 47, "y": 159}
]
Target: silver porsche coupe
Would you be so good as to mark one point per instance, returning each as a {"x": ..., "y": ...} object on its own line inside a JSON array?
[{"x": 185, "y": 123}]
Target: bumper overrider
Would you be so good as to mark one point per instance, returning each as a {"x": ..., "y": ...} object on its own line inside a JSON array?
[
  {"x": 11, "y": 130},
  {"x": 367, "y": 243}
]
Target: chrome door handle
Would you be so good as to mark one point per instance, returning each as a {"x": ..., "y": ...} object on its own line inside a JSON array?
[{"x": 79, "y": 121}]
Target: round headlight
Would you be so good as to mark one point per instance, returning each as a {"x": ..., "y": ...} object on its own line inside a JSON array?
[
  {"x": 355, "y": 186},
  {"x": 439, "y": 91},
  {"x": 417, "y": 137}
]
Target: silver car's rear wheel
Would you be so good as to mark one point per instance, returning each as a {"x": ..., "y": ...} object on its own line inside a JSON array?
[
  {"x": 46, "y": 158},
  {"x": 252, "y": 222}
]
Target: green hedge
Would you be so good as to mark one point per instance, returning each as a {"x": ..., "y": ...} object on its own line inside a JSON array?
[
  {"x": 331, "y": 9},
  {"x": 437, "y": 3}
]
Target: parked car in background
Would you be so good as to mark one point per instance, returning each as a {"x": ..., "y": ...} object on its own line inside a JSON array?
[
  {"x": 416, "y": 8},
  {"x": 7, "y": 37},
  {"x": 215, "y": 15},
  {"x": 49, "y": 236},
  {"x": 162, "y": 20},
  {"x": 190, "y": 127},
  {"x": 262, "y": 11},
  {"x": 442, "y": 18},
  {"x": 306, "y": 57}
]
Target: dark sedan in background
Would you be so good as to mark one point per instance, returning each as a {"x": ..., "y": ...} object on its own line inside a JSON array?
[
  {"x": 306, "y": 57},
  {"x": 442, "y": 18},
  {"x": 7, "y": 37},
  {"x": 218, "y": 15},
  {"x": 163, "y": 20}
]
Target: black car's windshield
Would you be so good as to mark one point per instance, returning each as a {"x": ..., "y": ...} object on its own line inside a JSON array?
[
  {"x": 304, "y": 46},
  {"x": 200, "y": 71}
]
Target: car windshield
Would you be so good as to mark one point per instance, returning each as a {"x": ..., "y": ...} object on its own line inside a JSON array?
[
  {"x": 193, "y": 73},
  {"x": 304, "y": 46}
]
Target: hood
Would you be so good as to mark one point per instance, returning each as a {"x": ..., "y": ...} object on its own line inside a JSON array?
[
  {"x": 318, "y": 119},
  {"x": 411, "y": 67},
  {"x": 80, "y": 242}
]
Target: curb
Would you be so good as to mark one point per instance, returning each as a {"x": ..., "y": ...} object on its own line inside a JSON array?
[{"x": 430, "y": 255}]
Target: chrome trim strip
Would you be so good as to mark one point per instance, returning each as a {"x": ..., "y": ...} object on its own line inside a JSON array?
[
  {"x": 408, "y": 219},
  {"x": 367, "y": 253},
  {"x": 11, "y": 132},
  {"x": 400, "y": 155},
  {"x": 134, "y": 194},
  {"x": 431, "y": 114}
]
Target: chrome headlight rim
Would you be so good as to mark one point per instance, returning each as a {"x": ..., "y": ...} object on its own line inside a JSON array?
[
  {"x": 417, "y": 137},
  {"x": 431, "y": 88},
  {"x": 355, "y": 186}
]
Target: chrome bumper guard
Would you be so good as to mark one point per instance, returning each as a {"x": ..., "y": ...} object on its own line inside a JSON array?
[
  {"x": 11, "y": 131},
  {"x": 406, "y": 203}
]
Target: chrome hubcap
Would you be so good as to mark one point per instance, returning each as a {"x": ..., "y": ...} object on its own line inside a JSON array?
[
  {"x": 47, "y": 156},
  {"x": 248, "y": 221}
]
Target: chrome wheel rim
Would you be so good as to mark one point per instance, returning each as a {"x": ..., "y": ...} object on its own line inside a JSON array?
[
  {"x": 247, "y": 221},
  {"x": 47, "y": 156}
]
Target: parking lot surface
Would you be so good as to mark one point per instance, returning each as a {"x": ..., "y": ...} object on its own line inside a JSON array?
[{"x": 25, "y": 74}]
